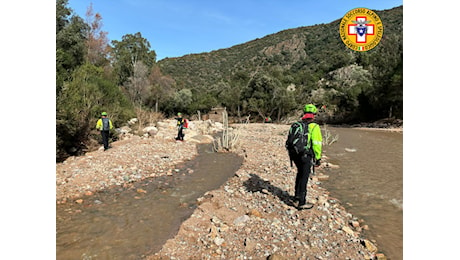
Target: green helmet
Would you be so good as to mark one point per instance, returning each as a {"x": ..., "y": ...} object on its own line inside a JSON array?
[
  {"x": 103, "y": 113},
  {"x": 179, "y": 114},
  {"x": 310, "y": 108}
]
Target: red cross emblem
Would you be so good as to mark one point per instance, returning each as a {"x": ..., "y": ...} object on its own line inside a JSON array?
[{"x": 361, "y": 27}]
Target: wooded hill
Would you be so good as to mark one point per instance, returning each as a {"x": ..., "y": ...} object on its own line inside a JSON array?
[{"x": 279, "y": 73}]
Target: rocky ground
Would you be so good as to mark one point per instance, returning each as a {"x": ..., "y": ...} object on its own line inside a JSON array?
[{"x": 248, "y": 217}]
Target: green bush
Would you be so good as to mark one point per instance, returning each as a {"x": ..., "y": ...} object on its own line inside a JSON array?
[{"x": 79, "y": 105}]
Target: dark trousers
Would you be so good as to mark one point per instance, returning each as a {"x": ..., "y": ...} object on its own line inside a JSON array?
[
  {"x": 105, "y": 139},
  {"x": 303, "y": 165},
  {"x": 180, "y": 134}
]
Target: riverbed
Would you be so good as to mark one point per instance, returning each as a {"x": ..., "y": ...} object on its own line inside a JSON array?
[{"x": 249, "y": 216}]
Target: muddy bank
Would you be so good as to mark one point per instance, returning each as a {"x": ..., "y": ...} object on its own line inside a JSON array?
[{"x": 249, "y": 217}]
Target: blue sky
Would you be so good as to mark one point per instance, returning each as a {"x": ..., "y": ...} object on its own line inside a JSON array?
[{"x": 178, "y": 27}]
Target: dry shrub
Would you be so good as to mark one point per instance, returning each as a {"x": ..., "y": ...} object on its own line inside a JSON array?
[
  {"x": 147, "y": 118},
  {"x": 230, "y": 137},
  {"x": 329, "y": 138}
]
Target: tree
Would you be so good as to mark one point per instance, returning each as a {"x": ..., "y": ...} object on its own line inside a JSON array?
[
  {"x": 161, "y": 87},
  {"x": 340, "y": 88},
  {"x": 74, "y": 109},
  {"x": 80, "y": 103},
  {"x": 137, "y": 85},
  {"x": 97, "y": 41},
  {"x": 127, "y": 52},
  {"x": 70, "y": 43},
  {"x": 261, "y": 94},
  {"x": 230, "y": 96},
  {"x": 62, "y": 14},
  {"x": 285, "y": 100},
  {"x": 203, "y": 101},
  {"x": 238, "y": 81},
  {"x": 182, "y": 99}
]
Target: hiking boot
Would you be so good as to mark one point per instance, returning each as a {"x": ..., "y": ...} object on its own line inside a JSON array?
[{"x": 305, "y": 206}]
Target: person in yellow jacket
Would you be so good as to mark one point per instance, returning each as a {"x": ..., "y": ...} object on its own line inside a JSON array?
[
  {"x": 180, "y": 127},
  {"x": 104, "y": 125},
  {"x": 313, "y": 156}
]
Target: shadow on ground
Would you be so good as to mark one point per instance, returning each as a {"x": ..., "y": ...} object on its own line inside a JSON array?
[{"x": 257, "y": 184}]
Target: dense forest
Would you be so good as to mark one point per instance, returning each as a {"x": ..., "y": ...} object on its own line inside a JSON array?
[{"x": 273, "y": 76}]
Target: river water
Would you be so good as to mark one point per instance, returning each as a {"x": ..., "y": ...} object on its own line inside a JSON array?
[
  {"x": 129, "y": 223},
  {"x": 369, "y": 182}
]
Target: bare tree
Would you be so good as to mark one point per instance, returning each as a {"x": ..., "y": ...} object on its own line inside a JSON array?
[
  {"x": 161, "y": 86},
  {"x": 97, "y": 41},
  {"x": 137, "y": 85}
]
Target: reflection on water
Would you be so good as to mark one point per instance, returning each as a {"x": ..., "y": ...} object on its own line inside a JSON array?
[
  {"x": 126, "y": 223},
  {"x": 369, "y": 182}
]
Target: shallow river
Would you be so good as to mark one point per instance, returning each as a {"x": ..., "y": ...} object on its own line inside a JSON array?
[
  {"x": 369, "y": 182},
  {"x": 129, "y": 223}
]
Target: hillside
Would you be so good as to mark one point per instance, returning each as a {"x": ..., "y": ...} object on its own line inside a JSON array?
[{"x": 303, "y": 57}]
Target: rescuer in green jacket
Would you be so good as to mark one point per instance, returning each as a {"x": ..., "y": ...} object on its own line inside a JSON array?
[
  {"x": 304, "y": 162},
  {"x": 104, "y": 125}
]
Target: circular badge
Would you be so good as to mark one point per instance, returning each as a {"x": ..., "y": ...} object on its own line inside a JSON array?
[{"x": 361, "y": 29}]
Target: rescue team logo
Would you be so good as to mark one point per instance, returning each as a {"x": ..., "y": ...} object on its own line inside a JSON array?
[{"x": 361, "y": 29}]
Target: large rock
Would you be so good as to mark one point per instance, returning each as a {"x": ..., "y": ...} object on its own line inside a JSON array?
[
  {"x": 166, "y": 125},
  {"x": 132, "y": 121},
  {"x": 151, "y": 130},
  {"x": 200, "y": 139},
  {"x": 369, "y": 245},
  {"x": 123, "y": 130}
]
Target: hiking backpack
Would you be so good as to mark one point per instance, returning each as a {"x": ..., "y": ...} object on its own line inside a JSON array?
[
  {"x": 105, "y": 124},
  {"x": 297, "y": 140},
  {"x": 185, "y": 123}
]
